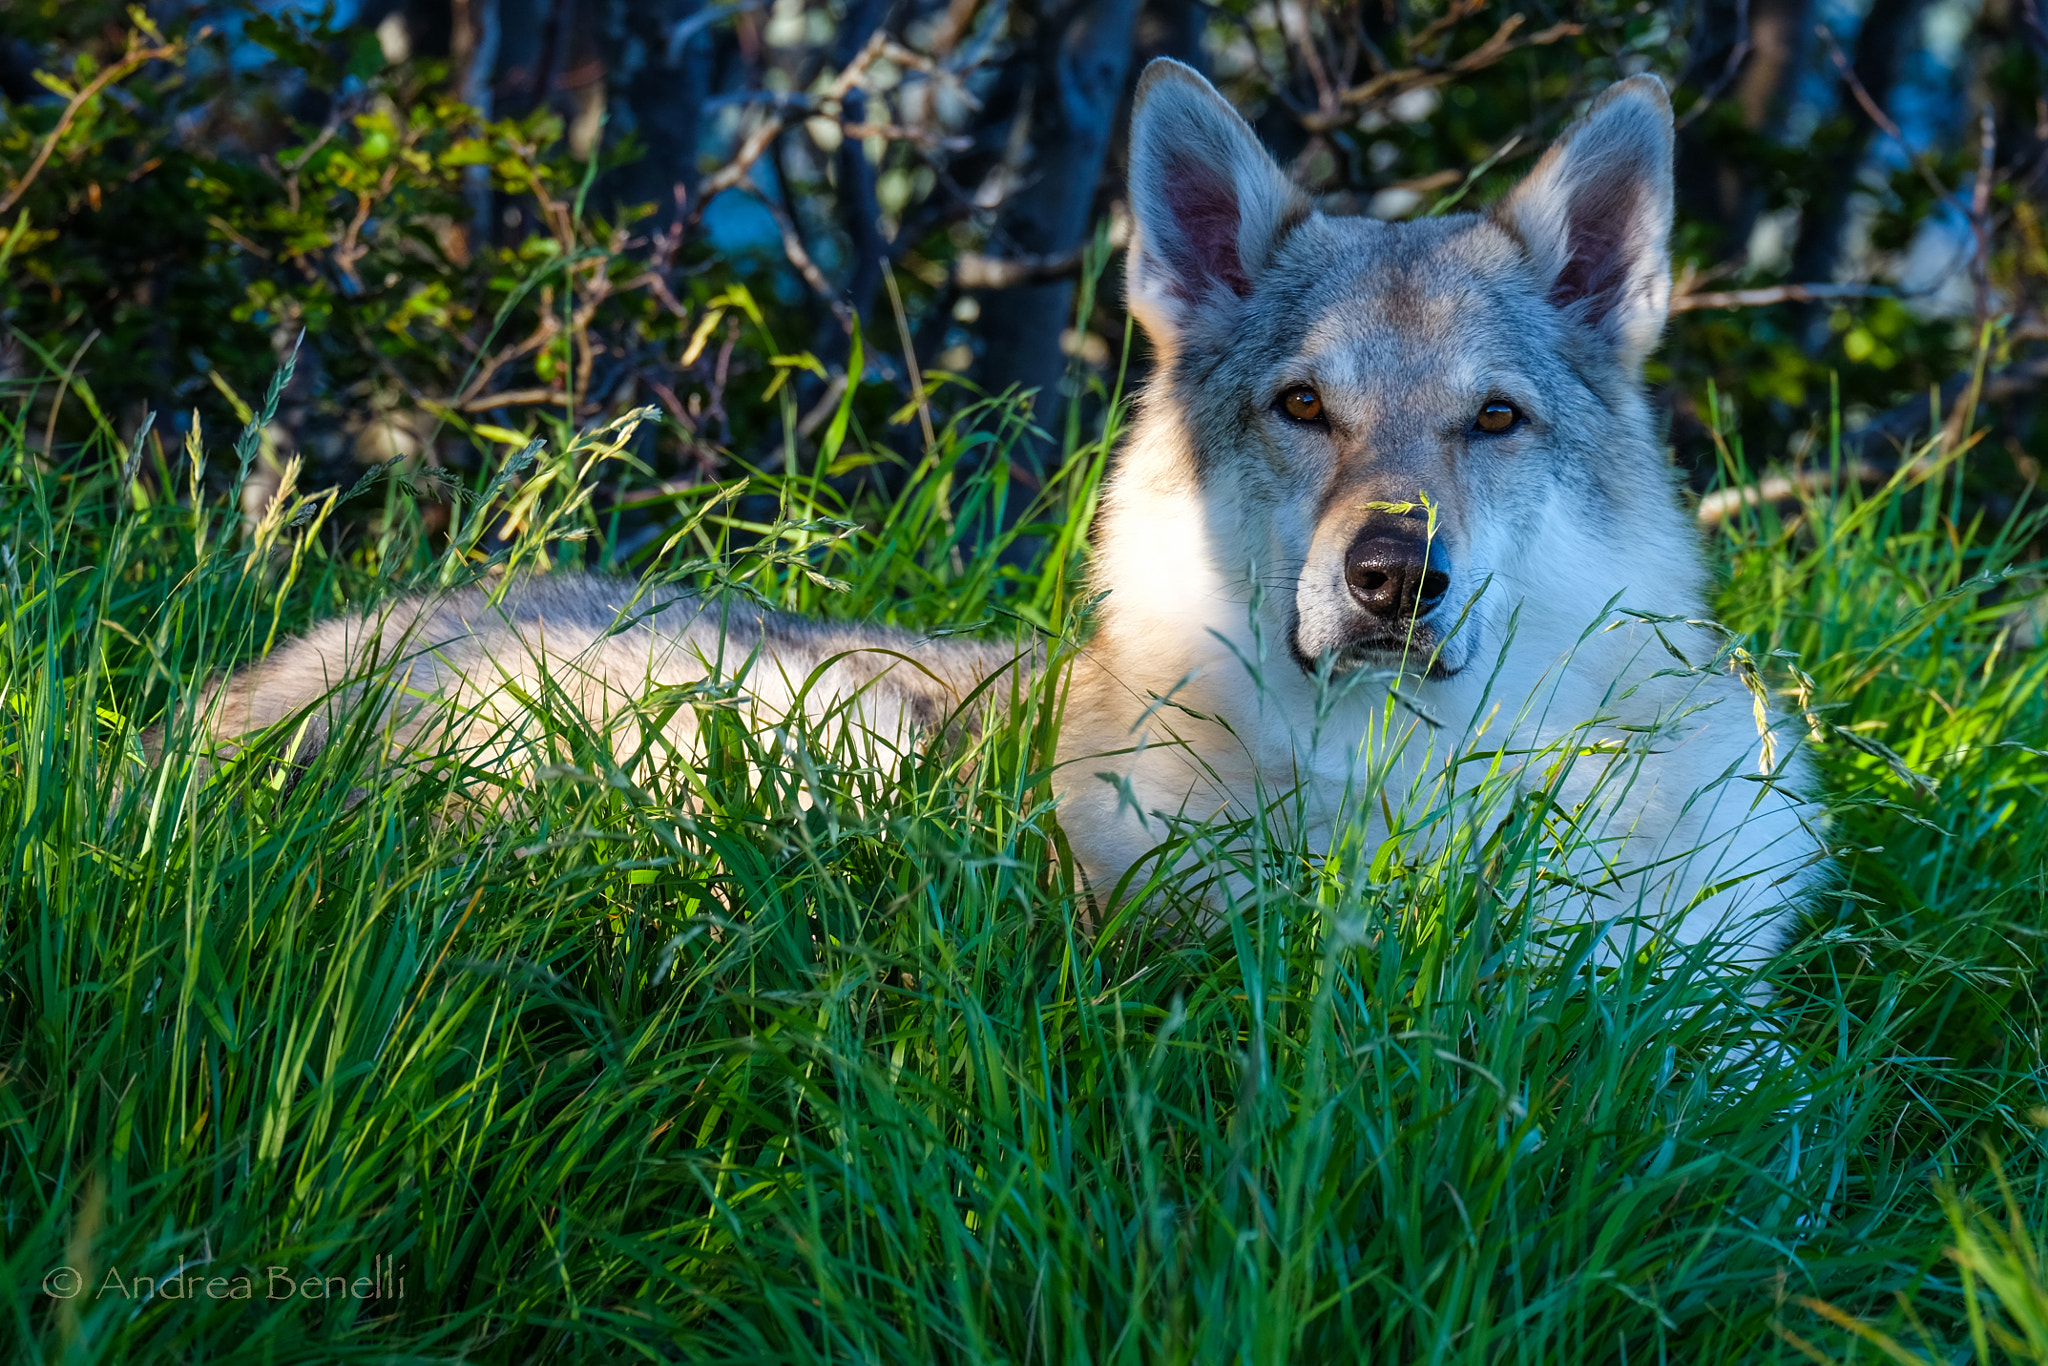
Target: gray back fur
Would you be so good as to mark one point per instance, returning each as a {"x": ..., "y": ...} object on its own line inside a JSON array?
[{"x": 455, "y": 666}]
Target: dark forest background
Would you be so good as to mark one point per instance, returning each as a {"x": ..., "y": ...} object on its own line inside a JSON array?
[{"x": 489, "y": 218}]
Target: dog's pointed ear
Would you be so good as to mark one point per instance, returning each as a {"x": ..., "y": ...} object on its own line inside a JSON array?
[
  {"x": 1595, "y": 217},
  {"x": 1210, "y": 206}
]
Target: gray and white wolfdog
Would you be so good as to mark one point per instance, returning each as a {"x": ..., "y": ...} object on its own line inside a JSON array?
[{"x": 1393, "y": 514}]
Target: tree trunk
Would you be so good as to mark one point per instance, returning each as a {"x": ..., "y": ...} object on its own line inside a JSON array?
[
  {"x": 1750, "y": 65},
  {"x": 658, "y": 75},
  {"x": 1880, "y": 46},
  {"x": 857, "y": 177},
  {"x": 1081, "y": 64}
]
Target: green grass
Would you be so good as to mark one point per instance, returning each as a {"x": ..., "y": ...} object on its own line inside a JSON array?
[{"x": 805, "y": 1054}]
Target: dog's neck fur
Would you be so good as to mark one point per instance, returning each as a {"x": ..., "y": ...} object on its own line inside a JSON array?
[{"x": 1227, "y": 675}]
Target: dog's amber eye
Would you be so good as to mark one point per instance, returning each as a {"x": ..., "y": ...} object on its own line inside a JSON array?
[
  {"x": 1302, "y": 404},
  {"x": 1496, "y": 417}
]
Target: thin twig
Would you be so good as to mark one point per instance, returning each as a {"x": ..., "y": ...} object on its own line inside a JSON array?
[
  {"x": 545, "y": 331},
  {"x": 1457, "y": 13},
  {"x": 1435, "y": 180},
  {"x": 736, "y": 170},
  {"x": 63, "y": 388},
  {"x": 130, "y": 61},
  {"x": 228, "y": 230},
  {"x": 1469, "y": 179},
  {"x": 350, "y": 249},
  {"x": 1737, "y": 55},
  {"x": 1898, "y": 425},
  {"x": 335, "y": 123},
  {"x": 1883, "y": 121},
  {"x": 953, "y": 25},
  {"x": 1294, "y": 23},
  {"x": 972, "y": 270},
  {"x": 653, "y": 282},
  {"x": 903, "y": 132},
  {"x": 685, "y": 29},
  {"x": 792, "y": 243},
  {"x": 669, "y": 401},
  {"x": 826, "y": 406},
  {"x": 1980, "y": 218}
]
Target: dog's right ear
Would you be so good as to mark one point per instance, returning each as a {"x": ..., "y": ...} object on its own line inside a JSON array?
[{"x": 1211, "y": 207}]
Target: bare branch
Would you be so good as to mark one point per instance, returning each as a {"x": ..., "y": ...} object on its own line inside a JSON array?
[
  {"x": 513, "y": 398},
  {"x": 763, "y": 137},
  {"x": 1457, "y": 13},
  {"x": 972, "y": 270},
  {"x": 1862, "y": 461},
  {"x": 1392, "y": 85},
  {"x": 655, "y": 284},
  {"x": 1896, "y": 426},
  {"x": 685, "y": 29},
  {"x": 1294, "y": 23},
  {"x": 901, "y": 132},
  {"x": 953, "y": 25},
  {"x": 543, "y": 333},
  {"x": 1719, "y": 505},
  {"x": 826, "y": 406},
  {"x": 736, "y": 170},
  {"x": 1776, "y": 294}
]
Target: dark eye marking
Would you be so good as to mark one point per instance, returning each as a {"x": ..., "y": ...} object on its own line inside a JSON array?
[
  {"x": 1497, "y": 416},
  {"x": 1299, "y": 403}
]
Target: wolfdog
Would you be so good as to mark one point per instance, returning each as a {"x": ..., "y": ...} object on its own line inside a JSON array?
[{"x": 1393, "y": 513}]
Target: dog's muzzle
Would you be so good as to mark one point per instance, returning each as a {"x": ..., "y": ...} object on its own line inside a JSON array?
[
  {"x": 1395, "y": 577},
  {"x": 1396, "y": 574}
]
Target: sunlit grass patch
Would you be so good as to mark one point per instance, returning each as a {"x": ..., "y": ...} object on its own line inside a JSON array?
[{"x": 812, "y": 1050}]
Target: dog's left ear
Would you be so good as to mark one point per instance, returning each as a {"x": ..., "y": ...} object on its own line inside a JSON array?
[{"x": 1595, "y": 218}]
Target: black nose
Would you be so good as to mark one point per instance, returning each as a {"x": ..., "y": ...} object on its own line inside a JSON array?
[{"x": 1396, "y": 578}]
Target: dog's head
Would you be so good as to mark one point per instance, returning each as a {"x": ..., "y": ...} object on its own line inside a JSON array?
[{"x": 1385, "y": 419}]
